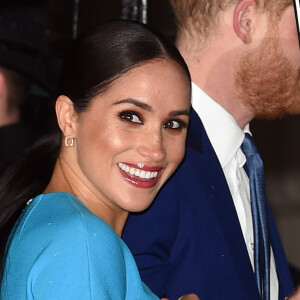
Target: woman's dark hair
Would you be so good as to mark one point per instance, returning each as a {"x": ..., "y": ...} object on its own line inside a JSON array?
[
  {"x": 97, "y": 58},
  {"x": 106, "y": 52}
]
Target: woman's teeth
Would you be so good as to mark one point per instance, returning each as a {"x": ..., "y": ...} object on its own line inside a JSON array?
[{"x": 137, "y": 172}]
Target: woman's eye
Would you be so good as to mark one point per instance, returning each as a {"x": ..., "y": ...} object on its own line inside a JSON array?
[
  {"x": 173, "y": 124},
  {"x": 130, "y": 117}
]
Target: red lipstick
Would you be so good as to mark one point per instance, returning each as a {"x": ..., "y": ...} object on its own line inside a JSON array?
[{"x": 139, "y": 180}]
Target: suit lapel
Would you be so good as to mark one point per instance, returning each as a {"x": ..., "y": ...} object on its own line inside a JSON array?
[{"x": 220, "y": 199}]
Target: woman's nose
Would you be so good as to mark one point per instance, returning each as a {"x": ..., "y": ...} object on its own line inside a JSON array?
[{"x": 151, "y": 146}]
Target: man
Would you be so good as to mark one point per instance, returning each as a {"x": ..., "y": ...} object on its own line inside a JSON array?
[
  {"x": 13, "y": 89},
  {"x": 197, "y": 237},
  {"x": 27, "y": 77},
  {"x": 14, "y": 135}
]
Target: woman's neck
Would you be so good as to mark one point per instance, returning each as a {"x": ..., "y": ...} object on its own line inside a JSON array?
[{"x": 62, "y": 180}]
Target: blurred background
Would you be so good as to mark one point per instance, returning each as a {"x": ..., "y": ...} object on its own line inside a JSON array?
[{"x": 34, "y": 35}]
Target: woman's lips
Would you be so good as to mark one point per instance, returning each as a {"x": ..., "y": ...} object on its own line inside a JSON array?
[{"x": 139, "y": 174}]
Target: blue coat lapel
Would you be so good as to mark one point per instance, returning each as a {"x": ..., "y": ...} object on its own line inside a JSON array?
[{"x": 221, "y": 200}]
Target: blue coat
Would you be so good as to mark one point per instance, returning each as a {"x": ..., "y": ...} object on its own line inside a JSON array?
[
  {"x": 190, "y": 239},
  {"x": 59, "y": 250}
]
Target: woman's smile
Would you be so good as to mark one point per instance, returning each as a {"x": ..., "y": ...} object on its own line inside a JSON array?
[{"x": 140, "y": 175}]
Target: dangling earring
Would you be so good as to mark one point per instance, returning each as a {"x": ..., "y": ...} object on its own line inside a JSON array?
[{"x": 69, "y": 142}]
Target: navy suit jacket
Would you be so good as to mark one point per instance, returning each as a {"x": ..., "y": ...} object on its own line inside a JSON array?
[{"x": 190, "y": 240}]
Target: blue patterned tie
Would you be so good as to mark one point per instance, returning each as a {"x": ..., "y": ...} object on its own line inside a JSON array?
[{"x": 255, "y": 172}]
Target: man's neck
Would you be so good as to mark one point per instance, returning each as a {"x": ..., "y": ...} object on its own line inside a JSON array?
[{"x": 213, "y": 69}]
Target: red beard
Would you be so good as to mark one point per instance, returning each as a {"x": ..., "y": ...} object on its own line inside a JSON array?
[{"x": 267, "y": 82}]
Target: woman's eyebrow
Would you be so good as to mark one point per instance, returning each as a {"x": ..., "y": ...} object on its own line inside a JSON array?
[
  {"x": 135, "y": 102},
  {"x": 176, "y": 113},
  {"x": 147, "y": 107}
]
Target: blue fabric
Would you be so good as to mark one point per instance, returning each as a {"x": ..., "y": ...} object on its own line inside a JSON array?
[
  {"x": 190, "y": 239},
  {"x": 61, "y": 251},
  {"x": 259, "y": 215}
]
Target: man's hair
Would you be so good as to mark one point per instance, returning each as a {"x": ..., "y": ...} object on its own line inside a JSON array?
[{"x": 203, "y": 15}]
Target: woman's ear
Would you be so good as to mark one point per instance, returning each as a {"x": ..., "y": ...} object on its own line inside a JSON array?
[
  {"x": 66, "y": 115},
  {"x": 243, "y": 19}
]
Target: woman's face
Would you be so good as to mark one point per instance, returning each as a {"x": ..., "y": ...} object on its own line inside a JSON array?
[{"x": 132, "y": 138}]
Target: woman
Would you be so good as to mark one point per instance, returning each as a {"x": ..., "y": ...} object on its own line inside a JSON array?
[{"x": 123, "y": 112}]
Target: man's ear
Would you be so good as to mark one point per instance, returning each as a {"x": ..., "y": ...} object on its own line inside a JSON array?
[
  {"x": 243, "y": 19},
  {"x": 66, "y": 116}
]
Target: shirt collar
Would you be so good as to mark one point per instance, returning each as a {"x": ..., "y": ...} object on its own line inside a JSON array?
[{"x": 223, "y": 131}]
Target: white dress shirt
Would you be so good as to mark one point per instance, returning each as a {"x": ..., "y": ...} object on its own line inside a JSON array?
[{"x": 226, "y": 138}]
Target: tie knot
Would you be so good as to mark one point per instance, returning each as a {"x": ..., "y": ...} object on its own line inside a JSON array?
[{"x": 248, "y": 146}]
